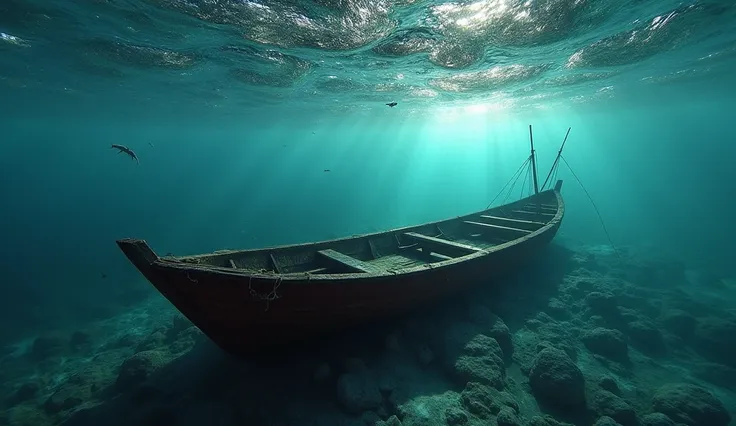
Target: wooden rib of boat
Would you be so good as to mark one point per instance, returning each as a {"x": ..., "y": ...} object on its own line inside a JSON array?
[{"x": 247, "y": 300}]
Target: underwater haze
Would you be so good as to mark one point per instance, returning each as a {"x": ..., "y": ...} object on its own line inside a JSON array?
[{"x": 261, "y": 123}]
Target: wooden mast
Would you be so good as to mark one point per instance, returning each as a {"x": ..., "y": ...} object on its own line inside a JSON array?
[{"x": 534, "y": 162}]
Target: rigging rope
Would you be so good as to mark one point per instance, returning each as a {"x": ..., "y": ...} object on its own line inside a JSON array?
[
  {"x": 600, "y": 218},
  {"x": 511, "y": 190},
  {"x": 507, "y": 184},
  {"x": 553, "y": 175}
]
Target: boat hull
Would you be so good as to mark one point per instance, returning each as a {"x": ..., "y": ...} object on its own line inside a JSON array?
[{"x": 245, "y": 313}]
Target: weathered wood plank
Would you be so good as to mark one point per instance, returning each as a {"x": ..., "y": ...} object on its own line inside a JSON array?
[
  {"x": 534, "y": 213},
  {"x": 497, "y": 229},
  {"x": 508, "y": 219},
  {"x": 345, "y": 262},
  {"x": 441, "y": 246}
]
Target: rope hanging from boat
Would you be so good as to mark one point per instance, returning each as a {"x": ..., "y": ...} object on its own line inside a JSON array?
[
  {"x": 268, "y": 297},
  {"x": 600, "y": 218},
  {"x": 530, "y": 180},
  {"x": 511, "y": 190},
  {"x": 513, "y": 179},
  {"x": 552, "y": 176}
]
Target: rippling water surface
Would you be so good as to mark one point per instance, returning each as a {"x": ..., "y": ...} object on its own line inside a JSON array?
[{"x": 225, "y": 54}]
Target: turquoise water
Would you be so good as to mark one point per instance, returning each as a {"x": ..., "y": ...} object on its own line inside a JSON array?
[{"x": 236, "y": 109}]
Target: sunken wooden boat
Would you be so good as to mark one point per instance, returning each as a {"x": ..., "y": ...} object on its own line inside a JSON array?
[{"x": 248, "y": 300}]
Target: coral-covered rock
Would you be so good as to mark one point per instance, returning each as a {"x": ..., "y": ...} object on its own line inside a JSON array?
[
  {"x": 555, "y": 378},
  {"x": 690, "y": 405},
  {"x": 481, "y": 362},
  {"x": 179, "y": 323},
  {"x": 470, "y": 356},
  {"x": 185, "y": 340},
  {"x": 454, "y": 416},
  {"x": 430, "y": 410},
  {"x": 557, "y": 309},
  {"x": 546, "y": 421},
  {"x": 138, "y": 368},
  {"x": 155, "y": 341},
  {"x": 507, "y": 417},
  {"x": 129, "y": 340},
  {"x": 493, "y": 326},
  {"x": 606, "y": 421},
  {"x": 391, "y": 421},
  {"x": 656, "y": 419},
  {"x": 607, "y": 404},
  {"x": 479, "y": 401},
  {"x": 609, "y": 383},
  {"x": 80, "y": 386},
  {"x": 485, "y": 401}
]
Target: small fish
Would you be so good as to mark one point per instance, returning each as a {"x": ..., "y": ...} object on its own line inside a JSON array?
[
  {"x": 125, "y": 149},
  {"x": 150, "y": 144},
  {"x": 392, "y": 104},
  {"x": 103, "y": 275},
  {"x": 327, "y": 170}
]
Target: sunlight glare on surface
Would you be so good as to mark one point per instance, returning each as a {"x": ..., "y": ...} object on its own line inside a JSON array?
[
  {"x": 470, "y": 122},
  {"x": 491, "y": 109}
]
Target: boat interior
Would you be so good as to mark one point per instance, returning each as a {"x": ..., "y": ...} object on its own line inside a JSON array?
[{"x": 393, "y": 250}]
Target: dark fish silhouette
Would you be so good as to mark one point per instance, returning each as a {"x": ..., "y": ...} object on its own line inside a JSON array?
[
  {"x": 327, "y": 170},
  {"x": 103, "y": 275},
  {"x": 150, "y": 144},
  {"x": 125, "y": 149},
  {"x": 392, "y": 104}
]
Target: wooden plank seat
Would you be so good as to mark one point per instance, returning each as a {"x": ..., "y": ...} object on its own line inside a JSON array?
[
  {"x": 449, "y": 248},
  {"x": 529, "y": 225},
  {"x": 538, "y": 213},
  {"x": 540, "y": 207},
  {"x": 498, "y": 229},
  {"x": 344, "y": 262}
]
